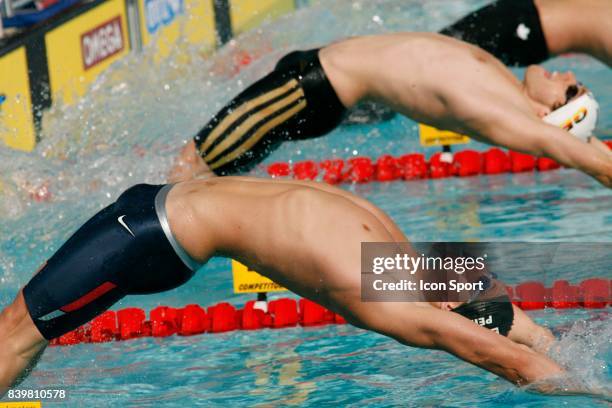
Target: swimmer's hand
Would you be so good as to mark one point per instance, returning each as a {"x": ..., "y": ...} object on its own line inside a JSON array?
[
  {"x": 567, "y": 384},
  {"x": 605, "y": 179},
  {"x": 189, "y": 165},
  {"x": 599, "y": 145}
]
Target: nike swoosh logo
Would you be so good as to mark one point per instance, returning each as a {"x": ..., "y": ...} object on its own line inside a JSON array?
[{"x": 124, "y": 225}]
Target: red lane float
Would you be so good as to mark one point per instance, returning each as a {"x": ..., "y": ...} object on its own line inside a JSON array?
[
  {"x": 412, "y": 166},
  {"x": 104, "y": 327},
  {"x": 284, "y": 313},
  {"x": 361, "y": 170},
  {"x": 521, "y": 162},
  {"x": 333, "y": 170},
  {"x": 496, "y": 161},
  {"x": 131, "y": 323},
  {"x": 223, "y": 318},
  {"x": 564, "y": 295},
  {"x": 595, "y": 292},
  {"x": 279, "y": 169},
  {"x": 192, "y": 319},
  {"x": 305, "y": 170},
  {"x": 387, "y": 168},
  {"x": 252, "y": 318},
  {"x": 591, "y": 293},
  {"x": 532, "y": 295},
  {"x": 465, "y": 163},
  {"x": 438, "y": 168},
  {"x": 546, "y": 164}
]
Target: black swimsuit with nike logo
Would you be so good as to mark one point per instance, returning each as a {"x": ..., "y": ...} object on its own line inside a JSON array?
[{"x": 121, "y": 250}]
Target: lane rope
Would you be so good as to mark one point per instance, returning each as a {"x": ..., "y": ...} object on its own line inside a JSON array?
[
  {"x": 414, "y": 166},
  {"x": 131, "y": 322}
]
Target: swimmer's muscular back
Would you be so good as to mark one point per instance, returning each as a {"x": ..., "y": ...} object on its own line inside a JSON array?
[
  {"x": 428, "y": 77},
  {"x": 294, "y": 228}
]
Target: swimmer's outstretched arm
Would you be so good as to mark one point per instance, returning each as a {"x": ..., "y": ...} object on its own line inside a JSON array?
[
  {"x": 540, "y": 339},
  {"x": 518, "y": 131},
  {"x": 436, "y": 329},
  {"x": 526, "y": 331}
]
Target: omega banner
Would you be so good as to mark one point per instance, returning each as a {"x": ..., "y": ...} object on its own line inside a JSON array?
[
  {"x": 102, "y": 42},
  {"x": 82, "y": 48}
]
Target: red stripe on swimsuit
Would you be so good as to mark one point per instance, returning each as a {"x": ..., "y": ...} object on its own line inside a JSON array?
[{"x": 89, "y": 297}]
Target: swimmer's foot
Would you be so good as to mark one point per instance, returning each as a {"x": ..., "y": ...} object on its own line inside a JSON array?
[{"x": 189, "y": 165}]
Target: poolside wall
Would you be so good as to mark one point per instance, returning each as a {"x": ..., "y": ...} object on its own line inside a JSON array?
[{"x": 62, "y": 57}]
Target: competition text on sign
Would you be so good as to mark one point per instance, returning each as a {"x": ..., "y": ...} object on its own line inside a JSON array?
[{"x": 249, "y": 281}]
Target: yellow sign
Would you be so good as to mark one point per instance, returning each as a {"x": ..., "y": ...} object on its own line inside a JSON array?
[
  {"x": 177, "y": 22},
  {"x": 430, "y": 136},
  {"x": 81, "y": 49},
  {"x": 248, "y": 14},
  {"x": 16, "y": 122},
  {"x": 247, "y": 281},
  {"x": 33, "y": 404}
]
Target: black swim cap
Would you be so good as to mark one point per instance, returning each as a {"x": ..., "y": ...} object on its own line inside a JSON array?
[{"x": 495, "y": 314}]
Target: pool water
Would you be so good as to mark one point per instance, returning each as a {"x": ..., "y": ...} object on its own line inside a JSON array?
[{"x": 131, "y": 125}]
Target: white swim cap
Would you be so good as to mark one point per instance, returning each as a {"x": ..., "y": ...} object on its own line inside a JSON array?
[{"x": 578, "y": 116}]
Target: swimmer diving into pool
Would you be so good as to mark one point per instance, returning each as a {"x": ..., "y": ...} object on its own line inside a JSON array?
[
  {"x": 431, "y": 78},
  {"x": 304, "y": 235}
]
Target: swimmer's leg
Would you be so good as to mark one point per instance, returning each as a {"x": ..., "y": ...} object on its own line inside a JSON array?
[
  {"x": 293, "y": 102},
  {"x": 127, "y": 248},
  {"x": 189, "y": 165},
  {"x": 509, "y": 29},
  {"x": 21, "y": 344}
]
